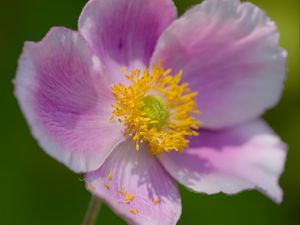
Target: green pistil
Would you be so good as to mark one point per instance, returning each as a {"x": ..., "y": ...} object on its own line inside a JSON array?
[{"x": 155, "y": 110}]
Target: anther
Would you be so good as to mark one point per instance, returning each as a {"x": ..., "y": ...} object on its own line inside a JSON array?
[
  {"x": 155, "y": 201},
  {"x": 109, "y": 176},
  {"x": 106, "y": 186},
  {"x": 134, "y": 211},
  {"x": 129, "y": 197},
  {"x": 90, "y": 187}
]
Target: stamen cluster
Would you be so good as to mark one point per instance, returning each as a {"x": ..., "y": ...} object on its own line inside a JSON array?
[{"x": 169, "y": 134}]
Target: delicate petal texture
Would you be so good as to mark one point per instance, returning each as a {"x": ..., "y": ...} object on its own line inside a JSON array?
[
  {"x": 127, "y": 172},
  {"x": 124, "y": 32},
  {"x": 229, "y": 53},
  {"x": 248, "y": 156},
  {"x": 64, "y": 96}
]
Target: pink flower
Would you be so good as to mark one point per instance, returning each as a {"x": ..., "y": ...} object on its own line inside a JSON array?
[{"x": 87, "y": 114}]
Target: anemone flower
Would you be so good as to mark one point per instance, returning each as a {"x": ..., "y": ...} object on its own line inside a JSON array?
[{"x": 137, "y": 100}]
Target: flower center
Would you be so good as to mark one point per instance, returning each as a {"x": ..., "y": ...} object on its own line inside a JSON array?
[{"x": 156, "y": 109}]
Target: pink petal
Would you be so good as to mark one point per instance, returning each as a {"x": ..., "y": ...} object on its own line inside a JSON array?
[
  {"x": 124, "y": 32},
  {"x": 229, "y": 53},
  {"x": 126, "y": 171},
  {"x": 66, "y": 100},
  {"x": 232, "y": 160}
]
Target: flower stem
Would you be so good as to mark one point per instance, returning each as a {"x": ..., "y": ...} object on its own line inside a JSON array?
[{"x": 92, "y": 211}]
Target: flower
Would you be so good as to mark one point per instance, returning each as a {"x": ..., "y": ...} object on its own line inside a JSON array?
[{"x": 119, "y": 100}]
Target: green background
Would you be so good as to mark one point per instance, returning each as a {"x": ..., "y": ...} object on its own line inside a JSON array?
[{"x": 36, "y": 190}]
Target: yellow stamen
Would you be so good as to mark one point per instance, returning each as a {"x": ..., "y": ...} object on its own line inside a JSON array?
[
  {"x": 106, "y": 186},
  {"x": 134, "y": 211},
  {"x": 155, "y": 108},
  {"x": 90, "y": 187},
  {"x": 155, "y": 201},
  {"x": 122, "y": 191},
  {"x": 109, "y": 176},
  {"x": 129, "y": 198}
]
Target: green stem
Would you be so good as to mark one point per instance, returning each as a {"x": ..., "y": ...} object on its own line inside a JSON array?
[{"x": 92, "y": 211}]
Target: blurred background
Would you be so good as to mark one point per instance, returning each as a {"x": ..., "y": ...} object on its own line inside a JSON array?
[{"x": 37, "y": 190}]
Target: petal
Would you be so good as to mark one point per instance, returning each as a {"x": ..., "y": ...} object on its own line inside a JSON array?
[
  {"x": 66, "y": 100},
  {"x": 229, "y": 53},
  {"x": 245, "y": 157},
  {"x": 127, "y": 171},
  {"x": 124, "y": 32}
]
